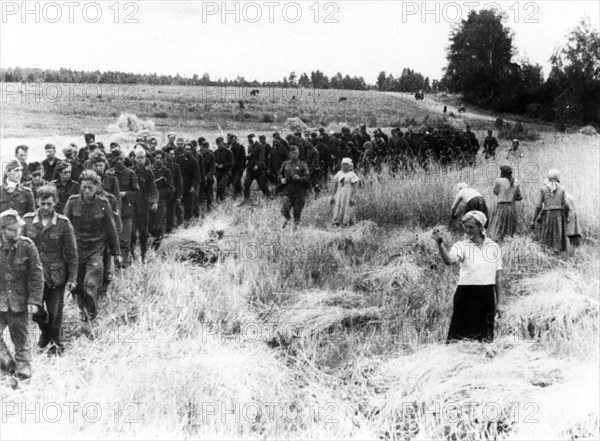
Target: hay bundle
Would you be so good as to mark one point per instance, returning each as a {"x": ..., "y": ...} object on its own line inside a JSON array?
[
  {"x": 460, "y": 391},
  {"x": 295, "y": 124},
  {"x": 312, "y": 313},
  {"x": 588, "y": 131},
  {"x": 402, "y": 270},
  {"x": 561, "y": 312},
  {"x": 130, "y": 123}
]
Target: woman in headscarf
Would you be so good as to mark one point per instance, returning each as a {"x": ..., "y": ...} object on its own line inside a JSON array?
[
  {"x": 471, "y": 199},
  {"x": 343, "y": 201},
  {"x": 551, "y": 212},
  {"x": 504, "y": 221},
  {"x": 478, "y": 295}
]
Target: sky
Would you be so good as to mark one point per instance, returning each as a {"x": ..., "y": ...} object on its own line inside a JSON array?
[{"x": 266, "y": 40}]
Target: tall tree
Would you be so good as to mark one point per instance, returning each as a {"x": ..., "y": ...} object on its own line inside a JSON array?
[{"x": 480, "y": 52}]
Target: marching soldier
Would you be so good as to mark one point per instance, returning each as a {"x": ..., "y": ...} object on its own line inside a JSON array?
[
  {"x": 12, "y": 193},
  {"x": 165, "y": 187},
  {"x": 65, "y": 186},
  {"x": 223, "y": 167},
  {"x": 21, "y": 291},
  {"x": 146, "y": 201},
  {"x": 94, "y": 225},
  {"x": 54, "y": 237}
]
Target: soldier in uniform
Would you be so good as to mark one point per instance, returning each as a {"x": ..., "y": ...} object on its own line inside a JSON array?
[
  {"x": 294, "y": 178},
  {"x": 255, "y": 168},
  {"x": 166, "y": 188},
  {"x": 209, "y": 161},
  {"x": 21, "y": 291},
  {"x": 239, "y": 163},
  {"x": 21, "y": 153},
  {"x": 84, "y": 152},
  {"x": 12, "y": 193},
  {"x": 50, "y": 162},
  {"x": 279, "y": 154},
  {"x": 146, "y": 201},
  {"x": 71, "y": 158},
  {"x": 174, "y": 203},
  {"x": 128, "y": 186},
  {"x": 65, "y": 186},
  {"x": 223, "y": 167},
  {"x": 37, "y": 181},
  {"x": 94, "y": 225},
  {"x": 54, "y": 237},
  {"x": 190, "y": 175},
  {"x": 314, "y": 165}
]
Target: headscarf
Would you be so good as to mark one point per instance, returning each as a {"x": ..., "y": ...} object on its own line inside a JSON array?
[
  {"x": 347, "y": 161},
  {"x": 462, "y": 186},
  {"x": 479, "y": 217},
  {"x": 553, "y": 180},
  {"x": 506, "y": 171}
]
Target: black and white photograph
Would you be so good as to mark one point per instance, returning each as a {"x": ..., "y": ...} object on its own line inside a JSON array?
[{"x": 300, "y": 220}]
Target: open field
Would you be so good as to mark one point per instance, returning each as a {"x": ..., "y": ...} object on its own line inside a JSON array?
[{"x": 320, "y": 333}]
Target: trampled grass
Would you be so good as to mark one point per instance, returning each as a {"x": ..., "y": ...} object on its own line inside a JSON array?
[{"x": 325, "y": 333}]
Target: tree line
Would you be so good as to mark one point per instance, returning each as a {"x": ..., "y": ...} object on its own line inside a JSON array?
[
  {"x": 481, "y": 68},
  {"x": 316, "y": 79}
]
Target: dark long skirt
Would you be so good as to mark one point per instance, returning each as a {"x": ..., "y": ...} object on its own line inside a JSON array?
[
  {"x": 554, "y": 230},
  {"x": 477, "y": 204},
  {"x": 504, "y": 221},
  {"x": 473, "y": 315}
]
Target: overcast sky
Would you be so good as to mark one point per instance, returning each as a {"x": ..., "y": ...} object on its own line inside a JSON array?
[{"x": 194, "y": 37}]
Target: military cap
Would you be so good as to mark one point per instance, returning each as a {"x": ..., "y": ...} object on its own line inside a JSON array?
[{"x": 10, "y": 217}]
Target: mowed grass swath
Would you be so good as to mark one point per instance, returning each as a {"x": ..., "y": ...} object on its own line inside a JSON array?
[{"x": 323, "y": 333}]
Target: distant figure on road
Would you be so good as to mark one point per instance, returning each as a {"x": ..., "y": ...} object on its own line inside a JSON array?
[
  {"x": 490, "y": 144},
  {"x": 445, "y": 109}
]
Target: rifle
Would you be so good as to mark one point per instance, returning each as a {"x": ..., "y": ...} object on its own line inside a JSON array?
[{"x": 281, "y": 186}]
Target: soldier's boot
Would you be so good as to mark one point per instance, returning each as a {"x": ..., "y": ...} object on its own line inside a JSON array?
[{"x": 44, "y": 339}]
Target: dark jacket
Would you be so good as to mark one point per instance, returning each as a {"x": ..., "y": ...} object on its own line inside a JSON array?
[
  {"x": 21, "y": 276},
  {"x": 177, "y": 181},
  {"x": 190, "y": 173},
  {"x": 64, "y": 191},
  {"x": 56, "y": 245},
  {"x": 164, "y": 183},
  {"x": 49, "y": 169},
  {"x": 295, "y": 188},
  {"x": 148, "y": 193},
  {"x": 279, "y": 154},
  {"x": 239, "y": 156},
  {"x": 256, "y": 156},
  {"x": 94, "y": 226},
  {"x": 128, "y": 184},
  {"x": 110, "y": 184},
  {"x": 223, "y": 157},
  {"x": 21, "y": 199},
  {"x": 209, "y": 160}
]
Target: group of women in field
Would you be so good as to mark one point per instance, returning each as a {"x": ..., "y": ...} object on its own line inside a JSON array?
[{"x": 478, "y": 297}]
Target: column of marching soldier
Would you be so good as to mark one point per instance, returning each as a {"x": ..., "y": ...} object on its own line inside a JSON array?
[{"x": 66, "y": 221}]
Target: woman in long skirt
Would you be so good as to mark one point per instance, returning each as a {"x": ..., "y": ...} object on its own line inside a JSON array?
[
  {"x": 552, "y": 212},
  {"x": 343, "y": 200},
  {"x": 478, "y": 295},
  {"x": 504, "y": 221}
]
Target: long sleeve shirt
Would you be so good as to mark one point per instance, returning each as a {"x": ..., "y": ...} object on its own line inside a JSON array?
[{"x": 21, "y": 275}]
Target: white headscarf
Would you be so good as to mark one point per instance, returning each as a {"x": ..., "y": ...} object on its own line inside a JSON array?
[
  {"x": 479, "y": 217},
  {"x": 553, "y": 180}
]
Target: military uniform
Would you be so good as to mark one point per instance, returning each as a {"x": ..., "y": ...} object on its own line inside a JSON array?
[
  {"x": 57, "y": 248},
  {"x": 128, "y": 184},
  {"x": 256, "y": 158},
  {"x": 64, "y": 192},
  {"x": 166, "y": 188},
  {"x": 147, "y": 196},
  {"x": 279, "y": 154},
  {"x": 239, "y": 164},
  {"x": 206, "y": 191},
  {"x": 94, "y": 227},
  {"x": 294, "y": 191},
  {"x": 21, "y": 199},
  {"x": 190, "y": 176},
  {"x": 21, "y": 284},
  {"x": 223, "y": 165},
  {"x": 49, "y": 168},
  {"x": 173, "y": 202}
]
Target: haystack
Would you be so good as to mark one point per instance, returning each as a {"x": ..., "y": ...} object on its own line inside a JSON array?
[
  {"x": 588, "y": 131},
  {"x": 308, "y": 314},
  {"x": 295, "y": 124},
  {"x": 560, "y": 310},
  {"x": 460, "y": 391}
]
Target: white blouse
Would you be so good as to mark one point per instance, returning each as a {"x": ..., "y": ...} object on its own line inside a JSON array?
[{"x": 478, "y": 266}]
